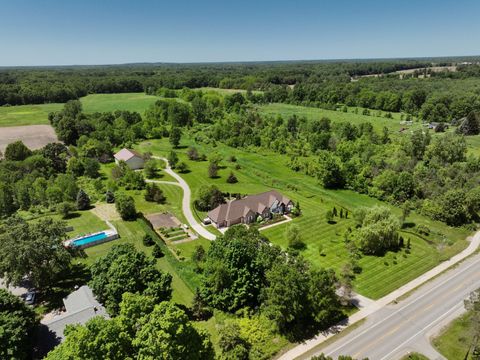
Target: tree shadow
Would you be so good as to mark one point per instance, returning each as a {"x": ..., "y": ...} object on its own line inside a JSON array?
[
  {"x": 76, "y": 276},
  {"x": 408, "y": 225},
  {"x": 73, "y": 215}
]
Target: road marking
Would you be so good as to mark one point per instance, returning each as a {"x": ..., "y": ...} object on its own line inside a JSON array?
[
  {"x": 455, "y": 308},
  {"x": 402, "y": 308}
]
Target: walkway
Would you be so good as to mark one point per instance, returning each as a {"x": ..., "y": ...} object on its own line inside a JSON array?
[
  {"x": 186, "y": 201},
  {"x": 376, "y": 306}
]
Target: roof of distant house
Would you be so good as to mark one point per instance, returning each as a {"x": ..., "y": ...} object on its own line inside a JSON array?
[
  {"x": 253, "y": 203},
  {"x": 127, "y": 154}
]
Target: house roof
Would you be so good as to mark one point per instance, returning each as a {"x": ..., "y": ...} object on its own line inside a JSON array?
[
  {"x": 80, "y": 307},
  {"x": 127, "y": 154},
  {"x": 236, "y": 209}
]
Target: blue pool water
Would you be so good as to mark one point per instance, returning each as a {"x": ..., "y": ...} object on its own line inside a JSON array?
[{"x": 88, "y": 239}]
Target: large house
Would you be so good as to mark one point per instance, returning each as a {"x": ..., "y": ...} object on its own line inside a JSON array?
[
  {"x": 133, "y": 158},
  {"x": 248, "y": 209}
]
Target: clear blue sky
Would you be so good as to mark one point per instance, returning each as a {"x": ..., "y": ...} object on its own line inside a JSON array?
[{"x": 54, "y": 32}]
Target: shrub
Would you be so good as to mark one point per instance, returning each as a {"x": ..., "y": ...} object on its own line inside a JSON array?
[
  {"x": 157, "y": 252},
  {"x": 154, "y": 193},
  {"x": 148, "y": 240},
  {"x": 232, "y": 179},
  {"x": 182, "y": 167},
  {"x": 109, "y": 197},
  {"x": 65, "y": 208},
  {"x": 125, "y": 206}
]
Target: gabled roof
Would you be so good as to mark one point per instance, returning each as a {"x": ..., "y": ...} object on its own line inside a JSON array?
[
  {"x": 127, "y": 154},
  {"x": 80, "y": 307},
  {"x": 236, "y": 209}
]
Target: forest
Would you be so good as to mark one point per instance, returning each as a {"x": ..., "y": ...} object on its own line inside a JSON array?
[{"x": 443, "y": 96}]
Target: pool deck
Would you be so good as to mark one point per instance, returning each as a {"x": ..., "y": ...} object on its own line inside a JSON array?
[{"x": 111, "y": 234}]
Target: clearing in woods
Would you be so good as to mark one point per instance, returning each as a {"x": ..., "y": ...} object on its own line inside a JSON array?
[{"x": 38, "y": 114}]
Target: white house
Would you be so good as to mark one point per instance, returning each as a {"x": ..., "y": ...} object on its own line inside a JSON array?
[{"x": 133, "y": 158}]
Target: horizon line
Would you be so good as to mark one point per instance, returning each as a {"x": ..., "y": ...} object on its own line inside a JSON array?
[{"x": 233, "y": 62}]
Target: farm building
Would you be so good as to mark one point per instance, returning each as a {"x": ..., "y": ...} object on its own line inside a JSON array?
[
  {"x": 248, "y": 209},
  {"x": 133, "y": 158}
]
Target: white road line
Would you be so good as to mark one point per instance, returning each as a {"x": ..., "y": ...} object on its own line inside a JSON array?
[
  {"x": 402, "y": 308},
  {"x": 455, "y": 308}
]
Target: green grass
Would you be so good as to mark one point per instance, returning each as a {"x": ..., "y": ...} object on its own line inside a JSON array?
[
  {"x": 85, "y": 222},
  {"x": 415, "y": 356},
  {"x": 261, "y": 171},
  {"x": 38, "y": 114},
  {"x": 311, "y": 113},
  {"x": 133, "y": 232},
  {"x": 454, "y": 342}
]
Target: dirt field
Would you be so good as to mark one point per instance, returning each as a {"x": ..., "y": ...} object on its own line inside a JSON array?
[{"x": 34, "y": 136}]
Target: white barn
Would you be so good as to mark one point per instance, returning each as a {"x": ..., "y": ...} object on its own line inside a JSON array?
[{"x": 133, "y": 158}]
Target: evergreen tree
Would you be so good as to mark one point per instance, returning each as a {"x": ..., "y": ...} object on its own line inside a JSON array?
[{"x": 83, "y": 201}]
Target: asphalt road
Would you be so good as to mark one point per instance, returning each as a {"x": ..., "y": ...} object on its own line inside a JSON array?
[{"x": 396, "y": 329}]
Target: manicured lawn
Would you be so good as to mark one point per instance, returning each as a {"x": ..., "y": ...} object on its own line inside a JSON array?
[
  {"x": 85, "y": 222},
  {"x": 454, "y": 342},
  {"x": 133, "y": 232},
  {"x": 38, "y": 114},
  {"x": 261, "y": 171},
  {"x": 173, "y": 202}
]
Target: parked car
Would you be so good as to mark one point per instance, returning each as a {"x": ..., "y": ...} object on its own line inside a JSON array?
[
  {"x": 30, "y": 297},
  {"x": 207, "y": 221}
]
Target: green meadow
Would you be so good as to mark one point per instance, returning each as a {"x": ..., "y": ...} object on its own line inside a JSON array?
[
  {"x": 261, "y": 171},
  {"x": 38, "y": 114},
  {"x": 378, "y": 122}
]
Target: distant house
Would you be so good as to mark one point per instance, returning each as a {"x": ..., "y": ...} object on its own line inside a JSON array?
[
  {"x": 133, "y": 158},
  {"x": 248, "y": 209},
  {"x": 80, "y": 306}
]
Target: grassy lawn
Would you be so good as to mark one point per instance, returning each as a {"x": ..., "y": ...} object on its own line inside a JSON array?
[
  {"x": 173, "y": 203},
  {"x": 85, "y": 222},
  {"x": 38, "y": 114},
  {"x": 455, "y": 340},
  {"x": 133, "y": 232},
  {"x": 261, "y": 171},
  {"x": 311, "y": 113}
]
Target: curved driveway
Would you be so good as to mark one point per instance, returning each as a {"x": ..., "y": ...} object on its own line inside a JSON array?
[{"x": 187, "y": 196}]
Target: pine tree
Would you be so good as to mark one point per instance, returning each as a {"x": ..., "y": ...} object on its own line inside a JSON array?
[
  {"x": 341, "y": 213},
  {"x": 83, "y": 201},
  {"x": 334, "y": 212}
]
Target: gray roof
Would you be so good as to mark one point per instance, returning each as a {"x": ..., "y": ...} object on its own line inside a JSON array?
[
  {"x": 127, "y": 154},
  {"x": 80, "y": 306},
  {"x": 236, "y": 209}
]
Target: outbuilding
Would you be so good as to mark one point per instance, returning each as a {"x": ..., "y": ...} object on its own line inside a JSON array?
[{"x": 133, "y": 158}]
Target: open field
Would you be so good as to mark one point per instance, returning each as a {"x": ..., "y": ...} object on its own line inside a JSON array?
[
  {"x": 311, "y": 113},
  {"x": 263, "y": 171},
  {"x": 33, "y": 136},
  {"x": 38, "y": 114},
  {"x": 455, "y": 340}
]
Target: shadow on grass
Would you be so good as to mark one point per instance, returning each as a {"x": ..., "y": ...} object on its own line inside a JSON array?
[
  {"x": 73, "y": 215},
  {"x": 408, "y": 225}
]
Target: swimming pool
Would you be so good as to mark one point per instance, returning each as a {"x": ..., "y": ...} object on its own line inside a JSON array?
[{"x": 89, "y": 239}]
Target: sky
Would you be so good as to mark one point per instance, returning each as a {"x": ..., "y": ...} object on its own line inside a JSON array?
[{"x": 68, "y": 32}]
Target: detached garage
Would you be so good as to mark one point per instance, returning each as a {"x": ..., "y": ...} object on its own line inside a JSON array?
[{"x": 133, "y": 158}]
